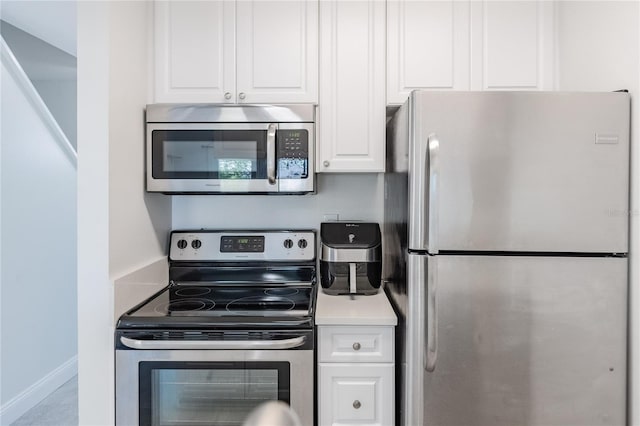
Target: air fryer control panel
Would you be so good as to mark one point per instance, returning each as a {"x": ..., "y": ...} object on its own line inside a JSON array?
[{"x": 236, "y": 246}]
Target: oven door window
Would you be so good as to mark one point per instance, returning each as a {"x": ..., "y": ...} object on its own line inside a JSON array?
[
  {"x": 208, "y": 393},
  {"x": 209, "y": 154}
]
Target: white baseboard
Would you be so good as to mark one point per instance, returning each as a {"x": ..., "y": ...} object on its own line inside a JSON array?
[{"x": 13, "y": 409}]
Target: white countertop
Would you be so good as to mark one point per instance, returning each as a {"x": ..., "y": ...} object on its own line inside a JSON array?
[
  {"x": 356, "y": 310},
  {"x": 136, "y": 286}
]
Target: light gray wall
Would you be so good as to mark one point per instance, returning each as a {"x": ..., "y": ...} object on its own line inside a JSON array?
[
  {"x": 599, "y": 49},
  {"x": 60, "y": 96},
  {"x": 50, "y": 20},
  {"x": 38, "y": 240},
  {"x": 51, "y": 70},
  {"x": 352, "y": 196}
]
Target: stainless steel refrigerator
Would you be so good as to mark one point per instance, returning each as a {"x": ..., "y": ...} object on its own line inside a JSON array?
[{"x": 506, "y": 240}]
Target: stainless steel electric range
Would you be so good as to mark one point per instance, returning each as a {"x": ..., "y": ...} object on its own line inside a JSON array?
[{"x": 233, "y": 328}]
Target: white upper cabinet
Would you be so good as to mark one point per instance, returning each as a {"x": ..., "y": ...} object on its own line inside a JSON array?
[
  {"x": 194, "y": 51},
  {"x": 427, "y": 47},
  {"x": 351, "y": 116},
  {"x": 513, "y": 45},
  {"x": 228, "y": 51},
  {"x": 468, "y": 45},
  {"x": 277, "y": 51}
]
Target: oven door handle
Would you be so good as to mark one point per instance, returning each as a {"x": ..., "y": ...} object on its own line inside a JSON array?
[{"x": 213, "y": 344}]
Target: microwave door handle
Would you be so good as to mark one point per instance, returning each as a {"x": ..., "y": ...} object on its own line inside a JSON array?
[
  {"x": 271, "y": 153},
  {"x": 213, "y": 344}
]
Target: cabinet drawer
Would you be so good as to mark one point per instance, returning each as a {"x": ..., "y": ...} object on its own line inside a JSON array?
[
  {"x": 360, "y": 394},
  {"x": 355, "y": 344}
]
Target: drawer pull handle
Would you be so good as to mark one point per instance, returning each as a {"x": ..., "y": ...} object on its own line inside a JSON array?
[
  {"x": 356, "y": 346},
  {"x": 356, "y": 404}
]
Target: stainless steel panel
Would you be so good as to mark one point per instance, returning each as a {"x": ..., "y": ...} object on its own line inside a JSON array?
[
  {"x": 301, "y": 373},
  {"x": 274, "y": 246},
  {"x": 518, "y": 169},
  {"x": 331, "y": 254},
  {"x": 225, "y": 113},
  {"x": 536, "y": 341}
]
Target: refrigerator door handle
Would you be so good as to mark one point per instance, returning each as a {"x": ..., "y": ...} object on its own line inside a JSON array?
[
  {"x": 431, "y": 339},
  {"x": 433, "y": 148}
]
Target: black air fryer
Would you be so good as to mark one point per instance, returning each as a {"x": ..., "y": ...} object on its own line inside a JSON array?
[{"x": 350, "y": 257}]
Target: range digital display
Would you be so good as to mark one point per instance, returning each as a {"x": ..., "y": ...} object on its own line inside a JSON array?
[{"x": 242, "y": 244}]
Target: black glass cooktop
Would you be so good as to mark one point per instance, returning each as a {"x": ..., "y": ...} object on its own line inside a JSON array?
[{"x": 227, "y": 301}]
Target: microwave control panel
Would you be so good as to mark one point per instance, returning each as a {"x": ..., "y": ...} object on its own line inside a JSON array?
[{"x": 293, "y": 154}]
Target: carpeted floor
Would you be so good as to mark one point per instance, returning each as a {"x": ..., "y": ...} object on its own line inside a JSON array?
[{"x": 58, "y": 409}]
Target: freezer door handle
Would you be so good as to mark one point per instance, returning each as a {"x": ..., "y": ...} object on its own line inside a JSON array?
[
  {"x": 433, "y": 148},
  {"x": 426, "y": 193},
  {"x": 423, "y": 195},
  {"x": 431, "y": 347}
]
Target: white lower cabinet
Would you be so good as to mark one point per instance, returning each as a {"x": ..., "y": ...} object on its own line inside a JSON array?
[
  {"x": 353, "y": 390},
  {"x": 352, "y": 394}
]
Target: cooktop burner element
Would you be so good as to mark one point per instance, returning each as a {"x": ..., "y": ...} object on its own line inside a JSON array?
[
  {"x": 260, "y": 303},
  {"x": 183, "y": 305},
  {"x": 193, "y": 291},
  {"x": 281, "y": 291}
]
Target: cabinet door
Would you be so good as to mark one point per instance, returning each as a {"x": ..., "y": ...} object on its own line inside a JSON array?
[
  {"x": 277, "y": 51},
  {"x": 356, "y": 394},
  {"x": 352, "y": 86},
  {"x": 513, "y": 47},
  {"x": 194, "y": 45},
  {"x": 427, "y": 47}
]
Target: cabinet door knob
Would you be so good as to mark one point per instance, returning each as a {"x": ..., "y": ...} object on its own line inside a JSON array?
[
  {"x": 356, "y": 346},
  {"x": 356, "y": 404},
  {"x": 325, "y": 163},
  {"x": 227, "y": 95},
  {"x": 241, "y": 95}
]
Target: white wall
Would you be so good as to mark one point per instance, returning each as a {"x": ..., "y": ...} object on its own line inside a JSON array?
[
  {"x": 95, "y": 301},
  {"x": 352, "y": 196},
  {"x": 38, "y": 272},
  {"x": 120, "y": 227},
  {"x": 139, "y": 222},
  {"x": 598, "y": 48}
]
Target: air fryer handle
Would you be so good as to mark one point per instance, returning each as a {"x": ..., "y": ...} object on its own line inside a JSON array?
[{"x": 352, "y": 278}]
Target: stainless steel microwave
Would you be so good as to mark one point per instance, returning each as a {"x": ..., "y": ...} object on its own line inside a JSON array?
[{"x": 230, "y": 149}]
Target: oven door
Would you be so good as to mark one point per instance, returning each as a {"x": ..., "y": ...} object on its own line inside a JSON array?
[{"x": 211, "y": 387}]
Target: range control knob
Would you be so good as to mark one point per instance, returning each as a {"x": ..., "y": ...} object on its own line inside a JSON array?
[
  {"x": 302, "y": 243},
  {"x": 182, "y": 244},
  {"x": 196, "y": 244},
  {"x": 288, "y": 243}
]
